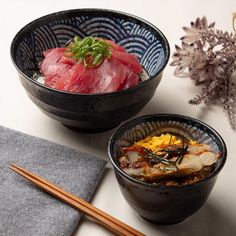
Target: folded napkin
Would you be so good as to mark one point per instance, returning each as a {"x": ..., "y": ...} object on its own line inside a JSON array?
[{"x": 25, "y": 209}]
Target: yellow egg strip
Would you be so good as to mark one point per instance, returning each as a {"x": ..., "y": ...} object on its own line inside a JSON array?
[{"x": 154, "y": 143}]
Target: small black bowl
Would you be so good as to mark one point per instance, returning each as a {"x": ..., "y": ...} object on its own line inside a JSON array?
[
  {"x": 165, "y": 204},
  {"x": 90, "y": 112}
]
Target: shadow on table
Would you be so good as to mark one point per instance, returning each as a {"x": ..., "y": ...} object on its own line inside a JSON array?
[
  {"x": 97, "y": 143},
  {"x": 211, "y": 220}
]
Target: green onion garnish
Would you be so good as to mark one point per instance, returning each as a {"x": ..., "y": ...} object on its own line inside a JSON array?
[{"x": 90, "y": 51}]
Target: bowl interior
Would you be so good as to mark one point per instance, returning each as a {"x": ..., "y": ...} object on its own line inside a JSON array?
[
  {"x": 55, "y": 30},
  {"x": 183, "y": 126}
]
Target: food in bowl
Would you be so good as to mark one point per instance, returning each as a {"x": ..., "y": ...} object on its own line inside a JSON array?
[
  {"x": 90, "y": 112},
  {"x": 168, "y": 160},
  {"x": 167, "y": 202},
  {"x": 90, "y": 65}
]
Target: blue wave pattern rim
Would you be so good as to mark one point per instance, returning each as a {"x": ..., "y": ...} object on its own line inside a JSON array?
[
  {"x": 183, "y": 129},
  {"x": 145, "y": 43},
  {"x": 188, "y": 129}
]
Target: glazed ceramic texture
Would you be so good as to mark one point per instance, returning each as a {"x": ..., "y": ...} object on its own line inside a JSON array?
[
  {"x": 94, "y": 112},
  {"x": 165, "y": 204}
]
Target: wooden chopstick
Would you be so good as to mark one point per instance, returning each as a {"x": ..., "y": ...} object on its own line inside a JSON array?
[{"x": 113, "y": 224}]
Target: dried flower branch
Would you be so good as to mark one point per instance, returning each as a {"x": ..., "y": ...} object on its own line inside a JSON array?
[{"x": 208, "y": 56}]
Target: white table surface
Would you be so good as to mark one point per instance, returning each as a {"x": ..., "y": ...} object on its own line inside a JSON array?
[{"x": 218, "y": 216}]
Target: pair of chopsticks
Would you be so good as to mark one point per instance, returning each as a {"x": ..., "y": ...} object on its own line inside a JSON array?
[{"x": 111, "y": 223}]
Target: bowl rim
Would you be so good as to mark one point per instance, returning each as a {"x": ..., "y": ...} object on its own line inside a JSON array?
[
  {"x": 133, "y": 122},
  {"x": 163, "y": 38}
]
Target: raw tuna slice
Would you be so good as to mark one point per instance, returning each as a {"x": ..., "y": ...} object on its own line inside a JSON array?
[
  {"x": 128, "y": 60},
  {"x": 104, "y": 79},
  {"x": 130, "y": 80},
  {"x": 56, "y": 68},
  {"x": 111, "y": 75},
  {"x": 118, "y": 72},
  {"x": 116, "y": 46}
]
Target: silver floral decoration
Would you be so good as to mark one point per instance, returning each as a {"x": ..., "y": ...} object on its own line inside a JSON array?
[{"x": 208, "y": 56}]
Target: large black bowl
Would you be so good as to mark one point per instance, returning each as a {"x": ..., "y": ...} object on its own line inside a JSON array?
[
  {"x": 94, "y": 112},
  {"x": 165, "y": 204}
]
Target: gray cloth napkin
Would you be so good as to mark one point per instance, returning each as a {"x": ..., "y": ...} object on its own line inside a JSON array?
[{"x": 25, "y": 209}]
